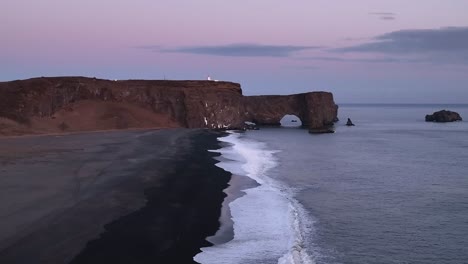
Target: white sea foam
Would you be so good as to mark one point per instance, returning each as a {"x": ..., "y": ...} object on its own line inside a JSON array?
[{"x": 269, "y": 224}]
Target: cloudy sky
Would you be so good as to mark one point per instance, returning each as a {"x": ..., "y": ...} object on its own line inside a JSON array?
[{"x": 364, "y": 51}]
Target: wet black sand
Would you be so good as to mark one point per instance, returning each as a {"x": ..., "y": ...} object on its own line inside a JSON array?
[{"x": 157, "y": 194}]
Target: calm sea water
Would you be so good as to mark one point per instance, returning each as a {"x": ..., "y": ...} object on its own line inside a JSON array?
[{"x": 392, "y": 189}]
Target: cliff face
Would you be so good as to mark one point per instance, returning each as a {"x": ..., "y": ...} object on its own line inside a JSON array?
[
  {"x": 317, "y": 110},
  {"x": 75, "y": 104}
]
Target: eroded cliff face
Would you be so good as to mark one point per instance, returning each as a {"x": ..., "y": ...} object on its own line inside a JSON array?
[
  {"x": 317, "y": 110},
  {"x": 44, "y": 105}
]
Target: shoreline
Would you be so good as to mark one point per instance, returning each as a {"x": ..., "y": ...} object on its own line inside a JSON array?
[
  {"x": 236, "y": 189},
  {"x": 156, "y": 200}
]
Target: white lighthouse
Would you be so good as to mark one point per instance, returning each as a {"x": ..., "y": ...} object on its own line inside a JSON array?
[{"x": 209, "y": 79}]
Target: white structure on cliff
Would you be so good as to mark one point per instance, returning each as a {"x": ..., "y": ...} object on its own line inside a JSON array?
[{"x": 209, "y": 79}]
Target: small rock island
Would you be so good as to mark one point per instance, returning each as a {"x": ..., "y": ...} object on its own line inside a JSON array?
[
  {"x": 443, "y": 116},
  {"x": 349, "y": 122}
]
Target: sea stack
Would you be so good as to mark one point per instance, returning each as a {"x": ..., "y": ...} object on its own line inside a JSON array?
[
  {"x": 349, "y": 122},
  {"x": 443, "y": 116}
]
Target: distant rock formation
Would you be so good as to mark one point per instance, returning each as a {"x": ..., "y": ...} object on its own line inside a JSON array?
[
  {"x": 443, "y": 116},
  {"x": 349, "y": 122},
  {"x": 317, "y": 110},
  {"x": 47, "y": 105}
]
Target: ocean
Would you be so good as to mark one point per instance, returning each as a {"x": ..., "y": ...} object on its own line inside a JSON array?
[{"x": 392, "y": 189}]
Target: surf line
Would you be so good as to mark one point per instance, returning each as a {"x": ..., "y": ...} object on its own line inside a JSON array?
[{"x": 268, "y": 224}]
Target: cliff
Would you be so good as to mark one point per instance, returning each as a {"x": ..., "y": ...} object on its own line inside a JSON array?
[
  {"x": 61, "y": 104},
  {"x": 317, "y": 110}
]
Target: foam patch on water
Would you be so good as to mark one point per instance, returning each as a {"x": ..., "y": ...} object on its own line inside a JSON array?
[{"x": 270, "y": 226}]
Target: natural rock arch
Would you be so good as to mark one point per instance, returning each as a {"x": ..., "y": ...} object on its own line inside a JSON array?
[
  {"x": 316, "y": 110},
  {"x": 269, "y": 109},
  {"x": 291, "y": 121}
]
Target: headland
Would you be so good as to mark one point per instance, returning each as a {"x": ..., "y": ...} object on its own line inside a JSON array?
[{"x": 74, "y": 104}]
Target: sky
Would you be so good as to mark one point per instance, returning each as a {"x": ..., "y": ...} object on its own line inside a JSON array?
[{"x": 364, "y": 51}]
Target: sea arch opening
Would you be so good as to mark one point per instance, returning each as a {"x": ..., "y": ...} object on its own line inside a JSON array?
[{"x": 291, "y": 121}]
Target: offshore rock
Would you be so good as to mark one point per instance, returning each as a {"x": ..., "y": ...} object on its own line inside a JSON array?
[
  {"x": 443, "y": 116},
  {"x": 349, "y": 122},
  {"x": 69, "y": 104}
]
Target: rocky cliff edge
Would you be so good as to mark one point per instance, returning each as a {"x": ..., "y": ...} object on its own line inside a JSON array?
[{"x": 69, "y": 104}]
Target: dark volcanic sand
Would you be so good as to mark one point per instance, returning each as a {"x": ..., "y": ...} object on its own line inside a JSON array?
[{"x": 157, "y": 194}]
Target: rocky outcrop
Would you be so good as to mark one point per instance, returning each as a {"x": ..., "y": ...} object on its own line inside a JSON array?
[
  {"x": 349, "y": 122},
  {"x": 317, "y": 110},
  {"x": 130, "y": 103},
  {"x": 443, "y": 116}
]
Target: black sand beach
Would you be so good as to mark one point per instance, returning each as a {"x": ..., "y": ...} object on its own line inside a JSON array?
[{"x": 111, "y": 197}]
